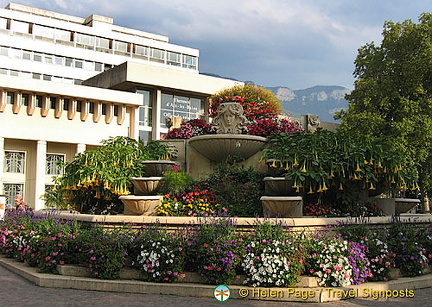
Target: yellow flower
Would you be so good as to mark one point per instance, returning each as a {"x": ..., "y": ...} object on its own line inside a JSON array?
[{"x": 304, "y": 168}]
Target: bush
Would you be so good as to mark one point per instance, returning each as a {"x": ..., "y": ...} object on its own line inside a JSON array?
[
  {"x": 160, "y": 255},
  {"x": 258, "y": 102}
]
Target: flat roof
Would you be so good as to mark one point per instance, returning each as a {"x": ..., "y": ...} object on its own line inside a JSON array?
[{"x": 130, "y": 74}]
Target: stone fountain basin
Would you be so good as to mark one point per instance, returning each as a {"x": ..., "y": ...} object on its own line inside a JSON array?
[
  {"x": 155, "y": 168},
  {"x": 140, "y": 205},
  {"x": 403, "y": 205},
  {"x": 218, "y": 147},
  {"x": 146, "y": 185},
  {"x": 283, "y": 206}
]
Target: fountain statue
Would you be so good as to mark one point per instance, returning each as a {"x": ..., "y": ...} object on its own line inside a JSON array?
[
  {"x": 229, "y": 140},
  {"x": 230, "y": 119}
]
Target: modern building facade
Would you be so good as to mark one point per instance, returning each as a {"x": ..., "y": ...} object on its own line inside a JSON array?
[{"x": 66, "y": 83}]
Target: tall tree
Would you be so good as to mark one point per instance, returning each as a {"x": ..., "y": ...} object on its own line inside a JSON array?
[{"x": 392, "y": 98}]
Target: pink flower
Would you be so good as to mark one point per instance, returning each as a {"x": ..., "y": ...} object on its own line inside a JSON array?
[
  {"x": 311, "y": 271},
  {"x": 328, "y": 271},
  {"x": 182, "y": 275},
  {"x": 337, "y": 268},
  {"x": 175, "y": 273},
  {"x": 93, "y": 258},
  {"x": 47, "y": 258}
]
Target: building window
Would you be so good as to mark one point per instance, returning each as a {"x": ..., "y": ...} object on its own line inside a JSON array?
[
  {"x": 43, "y": 32},
  {"x": 10, "y": 98},
  {"x": 91, "y": 107},
  {"x": 69, "y": 62},
  {"x": 78, "y": 105},
  {"x": 25, "y": 99},
  {"x": 173, "y": 58},
  {"x": 185, "y": 107},
  {"x": 63, "y": 35},
  {"x": 11, "y": 190},
  {"x": 14, "y": 162},
  {"x": 145, "y": 111},
  {"x": 54, "y": 164},
  {"x": 121, "y": 46},
  {"x": 53, "y": 101},
  {"x": 99, "y": 66},
  {"x": 84, "y": 41},
  {"x": 39, "y": 100},
  {"x": 144, "y": 136},
  {"x": 20, "y": 27},
  {"x": 102, "y": 43},
  {"x": 141, "y": 50},
  {"x": 66, "y": 104},
  {"x": 189, "y": 61},
  {"x": 157, "y": 55}
]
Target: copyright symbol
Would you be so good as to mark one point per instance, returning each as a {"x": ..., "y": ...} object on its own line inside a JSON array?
[{"x": 243, "y": 292}]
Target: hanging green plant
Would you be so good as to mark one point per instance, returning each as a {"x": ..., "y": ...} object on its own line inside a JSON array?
[
  {"x": 96, "y": 178},
  {"x": 317, "y": 161}
]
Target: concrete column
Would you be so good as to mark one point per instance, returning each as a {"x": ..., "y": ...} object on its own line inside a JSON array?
[
  {"x": 80, "y": 148},
  {"x": 41, "y": 151},
  {"x": 1, "y": 164},
  {"x": 157, "y": 106},
  {"x": 134, "y": 123}
]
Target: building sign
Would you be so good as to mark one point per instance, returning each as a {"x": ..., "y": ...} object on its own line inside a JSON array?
[{"x": 185, "y": 107}]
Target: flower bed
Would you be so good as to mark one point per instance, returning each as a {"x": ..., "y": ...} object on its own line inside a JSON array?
[{"x": 267, "y": 255}]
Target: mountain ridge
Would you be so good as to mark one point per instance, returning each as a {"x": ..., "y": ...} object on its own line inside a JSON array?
[{"x": 321, "y": 100}]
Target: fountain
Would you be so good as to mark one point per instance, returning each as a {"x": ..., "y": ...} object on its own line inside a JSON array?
[{"x": 228, "y": 142}]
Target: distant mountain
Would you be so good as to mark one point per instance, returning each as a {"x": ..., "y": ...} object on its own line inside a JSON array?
[
  {"x": 323, "y": 101},
  {"x": 320, "y": 100}
]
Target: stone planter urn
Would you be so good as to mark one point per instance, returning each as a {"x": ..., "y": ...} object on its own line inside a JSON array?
[
  {"x": 140, "y": 205},
  {"x": 156, "y": 168},
  {"x": 283, "y": 206},
  {"x": 147, "y": 185},
  {"x": 403, "y": 205},
  {"x": 279, "y": 186}
]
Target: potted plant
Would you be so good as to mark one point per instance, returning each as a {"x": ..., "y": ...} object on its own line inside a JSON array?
[{"x": 337, "y": 162}]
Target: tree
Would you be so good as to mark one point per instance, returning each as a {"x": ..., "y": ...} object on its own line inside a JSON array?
[{"x": 392, "y": 98}]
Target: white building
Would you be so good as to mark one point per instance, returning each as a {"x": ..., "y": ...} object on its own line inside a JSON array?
[{"x": 66, "y": 83}]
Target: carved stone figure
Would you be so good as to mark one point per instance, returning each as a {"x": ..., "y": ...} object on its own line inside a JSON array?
[
  {"x": 173, "y": 122},
  {"x": 313, "y": 122},
  {"x": 230, "y": 118}
]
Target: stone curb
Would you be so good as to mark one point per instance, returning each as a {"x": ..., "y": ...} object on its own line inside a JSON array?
[{"x": 401, "y": 287}]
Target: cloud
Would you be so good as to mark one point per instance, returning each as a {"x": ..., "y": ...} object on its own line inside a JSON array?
[{"x": 296, "y": 43}]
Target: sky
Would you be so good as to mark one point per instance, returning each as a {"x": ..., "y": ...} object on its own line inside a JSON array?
[{"x": 293, "y": 43}]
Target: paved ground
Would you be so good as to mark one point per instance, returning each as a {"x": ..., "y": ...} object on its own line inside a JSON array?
[{"x": 17, "y": 291}]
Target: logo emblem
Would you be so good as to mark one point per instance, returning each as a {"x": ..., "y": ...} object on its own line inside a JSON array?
[{"x": 221, "y": 293}]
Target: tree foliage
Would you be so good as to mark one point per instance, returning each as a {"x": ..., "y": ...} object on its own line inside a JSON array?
[
  {"x": 392, "y": 98},
  {"x": 258, "y": 102}
]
